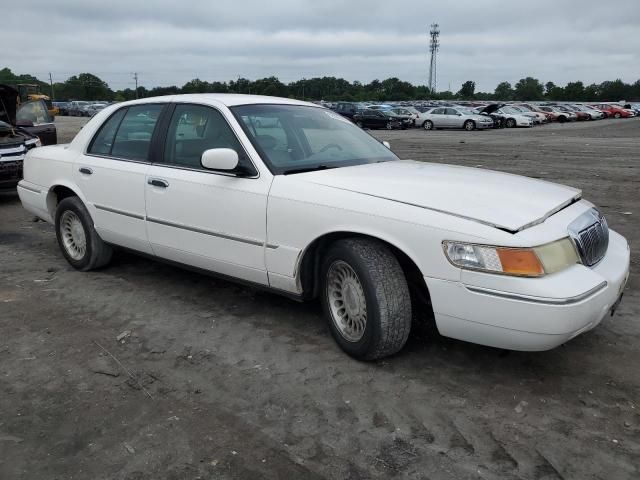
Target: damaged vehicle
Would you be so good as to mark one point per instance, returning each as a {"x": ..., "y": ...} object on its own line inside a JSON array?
[
  {"x": 506, "y": 116},
  {"x": 21, "y": 129},
  {"x": 314, "y": 207}
]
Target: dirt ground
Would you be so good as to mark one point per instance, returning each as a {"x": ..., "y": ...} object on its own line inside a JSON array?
[{"x": 214, "y": 380}]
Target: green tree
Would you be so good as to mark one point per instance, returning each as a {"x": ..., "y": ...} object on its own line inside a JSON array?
[
  {"x": 468, "y": 90},
  {"x": 503, "y": 91},
  {"x": 574, "y": 91},
  {"x": 614, "y": 91},
  {"x": 553, "y": 92},
  {"x": 528, "y": 89}
]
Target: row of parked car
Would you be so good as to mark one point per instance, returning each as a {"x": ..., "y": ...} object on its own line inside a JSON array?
[
  {"x": 80, "y": 108},
  {"x": 472, "y": 116}
]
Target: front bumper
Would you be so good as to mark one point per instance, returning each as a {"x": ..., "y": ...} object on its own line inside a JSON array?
[{"x": 531, "y": 315}]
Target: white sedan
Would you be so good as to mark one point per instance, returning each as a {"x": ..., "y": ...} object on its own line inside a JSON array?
[{"x": 292, "y": 197}]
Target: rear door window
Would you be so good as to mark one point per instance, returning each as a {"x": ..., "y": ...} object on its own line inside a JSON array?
[
  {"x": 133, "y": 139},
  {"x": 103, "y": 141}
]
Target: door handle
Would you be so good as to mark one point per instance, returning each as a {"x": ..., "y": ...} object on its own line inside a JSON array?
[
  {"x": 85, "y": 170},
  {"x": 157, "y": 182}
]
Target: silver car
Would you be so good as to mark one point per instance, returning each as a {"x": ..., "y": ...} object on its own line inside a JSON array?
[{"x": 453, "y": 117}]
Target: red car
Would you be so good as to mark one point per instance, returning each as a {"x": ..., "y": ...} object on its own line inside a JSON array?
[{"x": 615, "y": 111}]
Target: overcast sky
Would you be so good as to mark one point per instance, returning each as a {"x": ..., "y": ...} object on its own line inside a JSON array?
[{"x": 172, "y": 41}]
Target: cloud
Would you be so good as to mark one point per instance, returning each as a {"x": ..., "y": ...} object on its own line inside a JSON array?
[{"x": 171, "y": 42}]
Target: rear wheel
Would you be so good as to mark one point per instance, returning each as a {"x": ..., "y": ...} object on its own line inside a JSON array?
[
  {"x": 389, "y": 126},
  {"x": 617, "y": 115},
  {"x": 80, "y": 243},
  {"x": 511, "y": 122},
  {"x": 469, "y": 125},
  {"x": 428, "y": 125},
  {"x": 366, "y": 298}
]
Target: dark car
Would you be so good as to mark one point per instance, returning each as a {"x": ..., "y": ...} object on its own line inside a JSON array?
[
  {"x": 347, "y": 109},
  {"x": 21, "y": 129},
  {"x": 378, "y": 119}
]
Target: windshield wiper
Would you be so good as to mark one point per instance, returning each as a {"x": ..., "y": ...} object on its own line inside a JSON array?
[{"x": 306, "y": 169}]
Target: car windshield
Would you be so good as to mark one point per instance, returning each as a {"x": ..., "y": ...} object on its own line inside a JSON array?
[{"x": 296, "y": 138}]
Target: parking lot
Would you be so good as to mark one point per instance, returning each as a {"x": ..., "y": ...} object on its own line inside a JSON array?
[{"x": 144, "y": 370}]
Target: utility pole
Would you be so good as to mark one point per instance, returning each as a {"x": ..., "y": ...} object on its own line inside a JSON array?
[
  {"x": 434, "y": 45},
  {"x": 135, "y": 77},
  {"x": 51, "y": 83}
]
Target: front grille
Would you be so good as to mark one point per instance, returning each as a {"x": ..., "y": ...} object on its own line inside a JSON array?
[
  {"x": 591, "y": 236},
  {"x": 10, "y": 171}
]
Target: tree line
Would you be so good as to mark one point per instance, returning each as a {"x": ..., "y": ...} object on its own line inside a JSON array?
[{"x": 86, "y": 86}]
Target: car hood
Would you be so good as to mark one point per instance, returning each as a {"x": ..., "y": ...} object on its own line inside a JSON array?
[
  {"x": 8, "y": 104},
  {"x": 492, "y": 107},
  {"x": 502, "y": 200}
]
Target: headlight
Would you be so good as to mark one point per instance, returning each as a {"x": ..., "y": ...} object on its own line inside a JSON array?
[{"x": 527, "y": 262}]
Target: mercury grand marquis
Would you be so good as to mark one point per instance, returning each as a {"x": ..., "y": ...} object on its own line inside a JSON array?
[{"x": 293, "y": 197}]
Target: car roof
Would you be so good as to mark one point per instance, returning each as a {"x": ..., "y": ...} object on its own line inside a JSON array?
[{"x": 227, "y": 99}]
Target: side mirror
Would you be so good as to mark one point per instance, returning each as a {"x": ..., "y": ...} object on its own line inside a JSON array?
[
  {"x": 219, "y": 159},
  {"x": 387, "y": 144}
]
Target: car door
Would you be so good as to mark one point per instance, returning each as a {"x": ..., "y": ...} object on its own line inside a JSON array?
[
  {"x": 34, "y": 117},
  {"x": 208, "y": 219},
  {"x": 438, "y": 118},
  {"x": 112, "y": 172},
  {"x": 453, "y": 118},
  {"x": 381, "y": 119}
]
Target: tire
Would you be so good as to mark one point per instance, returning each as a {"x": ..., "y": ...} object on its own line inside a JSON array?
[
  {"x": 359, "y": 124},
  {"x": 389, "y": 126},
  {"x": 510, "y": 123},
  {"x": 617, "y": 115},
  {"x": 427, "y": 125},
  {"x": 378, "y": 290},
  {"x": 469, "y": 125},
  {"x": 562, "y": 119},
  {"x": 73, "y": 225}
]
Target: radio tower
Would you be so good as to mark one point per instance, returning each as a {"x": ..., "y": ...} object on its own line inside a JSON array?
[{"x": 434, "y": 45}]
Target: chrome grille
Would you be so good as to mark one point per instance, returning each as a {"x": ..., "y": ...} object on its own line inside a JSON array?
[{"x": 590, "y": 234}]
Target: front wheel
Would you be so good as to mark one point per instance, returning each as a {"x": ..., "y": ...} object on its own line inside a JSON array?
[
  {"x": 80, "y": 243},
  {"x": 389, "y": 126},
  {"x": 617, "y": 115},
  {"x": 511, "y": 122},
  {"x": 365, "y": 298},
  {"x": 469, "y": 125},
  {"x": 428, "y": 125}
]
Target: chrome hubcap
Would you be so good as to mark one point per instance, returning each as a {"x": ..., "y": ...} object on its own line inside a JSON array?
[
  {"x": 347, "y": 302},
  {"x": 73, "y": 236}
]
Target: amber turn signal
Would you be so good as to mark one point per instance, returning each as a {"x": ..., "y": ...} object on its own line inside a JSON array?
[{"x": 518, "y": 261}]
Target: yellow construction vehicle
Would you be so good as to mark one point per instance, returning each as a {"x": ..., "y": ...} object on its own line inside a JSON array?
[{"x": 31, "y": 91}]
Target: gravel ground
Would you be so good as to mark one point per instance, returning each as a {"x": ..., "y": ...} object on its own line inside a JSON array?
[{"x": 213, "y": 380}]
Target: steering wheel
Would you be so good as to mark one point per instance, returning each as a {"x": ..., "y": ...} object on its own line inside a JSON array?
[{"x": 327, "y": 147}]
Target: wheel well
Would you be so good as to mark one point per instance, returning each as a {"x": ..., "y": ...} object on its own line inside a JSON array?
[
  {"x": 56, "y": 195},
  {"x": 310, "y": 267}
]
